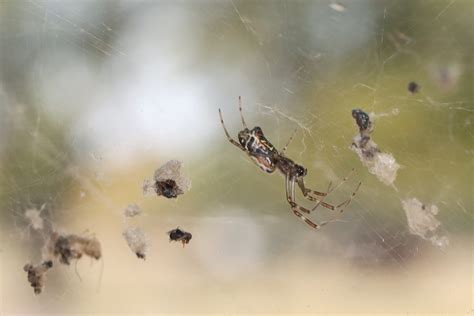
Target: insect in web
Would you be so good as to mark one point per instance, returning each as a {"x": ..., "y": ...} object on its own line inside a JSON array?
[
  {"x": 366, "y": 128},
  {"x": 254, "y": 143},
  {"x": 168, "y": 181},
  {"x": 413, "y": 87},
  {"x": 180, "y": 235},
  {"x": 382, "y": 165},
  {"x": 72, "y": 247}
]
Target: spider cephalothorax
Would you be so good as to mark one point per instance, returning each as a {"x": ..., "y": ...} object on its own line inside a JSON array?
[
  {"x": 268, "y": 158},
  {"x": 288, "y": 166}
]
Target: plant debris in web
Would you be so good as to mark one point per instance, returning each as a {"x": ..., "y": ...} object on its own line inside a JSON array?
[
  {"x": 382, "y": 165},
  {"x": 422, "y": 221},
  {"x": 72, "y": 247},
  {"x": 34, "y": 217},
  {"x": 180, "y": 235},
  {"x": 137, "y": 241},
  {"x": 132, "y": 210},
  {"x": 168, "y": 181},
  {"x": 37, "y": 274},
  {"x": 337, "y": 7},
  {"x": 61, "y": 247}
]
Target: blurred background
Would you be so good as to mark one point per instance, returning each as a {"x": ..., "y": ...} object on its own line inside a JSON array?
[{"x": 96, "y": 95}]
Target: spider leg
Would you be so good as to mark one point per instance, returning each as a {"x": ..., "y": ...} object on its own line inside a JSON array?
[
  {"x": 320, "y": 200},
  {"x": 289, "y": 141},
  {"x": 240, "y": 110},
  {"x": 307, "y": 194},
  {"x": 343, "y": 204},
  {"x": 290, "y": 196},
  {"x": 329, "y": 190},
  {"x": 231, "y": 140}
]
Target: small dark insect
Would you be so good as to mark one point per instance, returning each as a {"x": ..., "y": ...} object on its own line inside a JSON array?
[
  {"x": 168, "y": 188},
  {"x": 269, "y": 159},
  {"x": 69, "y": 247},
  {"x": 180, "y": 235},
  {"x": 413, "y": 87},
  {"x": 365, "y": 125},
  {"x": 36, "y": 274}
]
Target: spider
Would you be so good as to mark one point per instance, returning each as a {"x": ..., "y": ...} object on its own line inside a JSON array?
[{"x": 254, "y": 143}]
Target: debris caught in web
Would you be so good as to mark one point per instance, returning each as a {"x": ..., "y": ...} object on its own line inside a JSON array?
[
  {"x": 413, "y": 87},
  {"x": 61, "y": 247},
  {"x": 382, "y": 165},
  {"x": 69, "y": 247},
  {"x": 337, "y": 7},
  {"x": 168, "y": 181},
  {"x": 136, "y": 240},
  {"x": 446, "y": 75},
  {"x": 422, "y": 221},
  {"x": 180, "y": 235},
  {"x": 135, "y": 237},
  {"x": 132, "y": 210},
  {"x": 36, "y": 275},
  {"x": 34, "y": 216}
]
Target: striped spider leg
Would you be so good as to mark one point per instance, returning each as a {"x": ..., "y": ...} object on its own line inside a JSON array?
[{"x": 314, "y": 195}]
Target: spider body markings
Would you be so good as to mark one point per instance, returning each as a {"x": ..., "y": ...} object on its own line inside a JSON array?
[
  {"x": 254, "y": 143},
  {"x": 259, "y": 148}
]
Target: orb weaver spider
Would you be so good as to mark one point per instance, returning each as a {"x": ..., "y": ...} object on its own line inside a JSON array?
[{"x": 254, "y": 143}]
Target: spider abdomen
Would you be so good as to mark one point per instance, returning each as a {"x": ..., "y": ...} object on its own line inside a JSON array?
[{"x": 265, "y": 163}]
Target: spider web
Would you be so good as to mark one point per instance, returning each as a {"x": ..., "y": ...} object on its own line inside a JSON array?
[{"x": 95, "y": 96}]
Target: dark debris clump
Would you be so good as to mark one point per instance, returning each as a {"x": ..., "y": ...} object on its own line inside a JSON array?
[
  {"x": 363, "y": 142},
  {"x": 70, "y": 247},
  {"x": 168, "y": 181},
  {"x": 36, "y": 274},
  {"x": 413, "y": 87},
  {"x": 382, "y": 165},
  {"x": 168, "y": 188}
]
